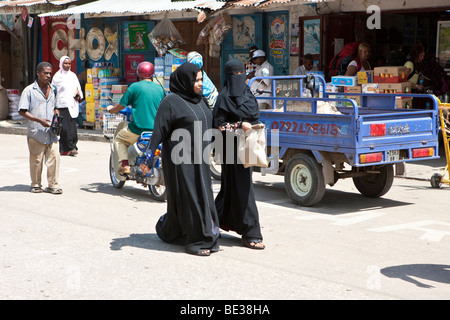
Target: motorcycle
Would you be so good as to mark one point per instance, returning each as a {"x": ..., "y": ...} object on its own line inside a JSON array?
[{"x": 113, "y": 123}]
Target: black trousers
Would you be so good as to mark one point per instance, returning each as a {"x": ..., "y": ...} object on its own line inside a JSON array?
[{"x": 69, "y": 136}]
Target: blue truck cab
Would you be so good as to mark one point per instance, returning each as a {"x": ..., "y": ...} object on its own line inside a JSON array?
[{"x": 315, "y": 141}]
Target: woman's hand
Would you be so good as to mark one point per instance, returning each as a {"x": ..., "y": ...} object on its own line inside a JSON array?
[{"x": 246, "y": 126}]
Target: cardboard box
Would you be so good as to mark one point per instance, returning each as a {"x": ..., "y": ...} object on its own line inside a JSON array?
[
  {"x": 365, "y": 76},
  {"x": 344, "y": 80},
  {"x": 389, "y": 74},
  {"x": 90, "y": 112},
  {"x": 370, "y": 88},
  {"x": 403, "y": 102},
  {"x": 89, "y": 75},
  {"x": 402, "y": 87},
  {"x": 119, "y": 88},
  {"x": 331, "y": 88},
  {"x": 352, "y": 89},
  {"x": 89, "y": 92}
]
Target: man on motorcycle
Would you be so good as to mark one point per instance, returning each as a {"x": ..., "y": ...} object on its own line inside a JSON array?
[{"x": 144, "y": 98}]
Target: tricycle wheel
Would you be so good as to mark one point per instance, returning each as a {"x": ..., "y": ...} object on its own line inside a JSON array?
[
  {"x": 304, "y": 180},
  {"x": 374, "y": 185},
  {"x": 118, "y": 184},
  {"x": 436, "y": 180}
]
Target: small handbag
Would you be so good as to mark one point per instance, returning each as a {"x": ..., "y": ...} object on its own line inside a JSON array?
[{"x": 252, "y": 147}]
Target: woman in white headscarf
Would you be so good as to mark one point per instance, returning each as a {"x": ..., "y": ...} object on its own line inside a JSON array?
[{"x": 68, "y": 96}]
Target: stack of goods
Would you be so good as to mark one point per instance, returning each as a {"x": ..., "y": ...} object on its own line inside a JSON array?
[
  {"x": 379, "y": 80},
  {"x": 172, "y": 60},
  {"x": 100, "y": 80},
  {"x": 347, "y": 84},
  {"x": 13, "y": 104},
  {"x": 158, "y": 77},
  {"x": 117, "y": 91},
  {"x": 394, "y": 80}
]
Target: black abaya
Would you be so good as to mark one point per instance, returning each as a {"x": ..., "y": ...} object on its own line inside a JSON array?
[
  {"x": 235, "y": 203},
  {"x": 69, "y": 136},
  {"x": 191, "y": 213}
]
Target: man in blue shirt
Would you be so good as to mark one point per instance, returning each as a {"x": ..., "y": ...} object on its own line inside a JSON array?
[{"x": 37, "y": 105}]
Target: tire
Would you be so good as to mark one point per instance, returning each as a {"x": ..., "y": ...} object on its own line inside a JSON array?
[
  {"x": 158, "y": 192},
  {"x": 304, "y": 180},
  {"x": 118, "y": 184},
  {"x": 436, "y": 180},
  {"x": 375, "y": 185}
]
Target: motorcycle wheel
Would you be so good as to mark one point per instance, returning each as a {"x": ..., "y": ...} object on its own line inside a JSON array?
[
  {"x": 158, "y": 192},
  {"x": 118, "y": 184}
]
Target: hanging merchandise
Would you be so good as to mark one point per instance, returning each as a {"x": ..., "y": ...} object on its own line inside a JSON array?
[
  {"x": 165, "y": 36},
  {"x": 203, "y": 36},
  {"x": 220, "y": 28}
]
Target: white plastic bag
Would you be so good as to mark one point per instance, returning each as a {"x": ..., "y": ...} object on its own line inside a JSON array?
[{"x": 165, "y": 36}]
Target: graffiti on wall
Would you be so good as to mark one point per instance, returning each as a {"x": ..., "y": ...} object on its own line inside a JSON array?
[{"x": 90, "y": 42}]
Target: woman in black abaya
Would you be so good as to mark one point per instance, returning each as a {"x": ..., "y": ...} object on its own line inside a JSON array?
[
  {"x": 236, "y": 107},
  {"x": 191, "y": 216}
]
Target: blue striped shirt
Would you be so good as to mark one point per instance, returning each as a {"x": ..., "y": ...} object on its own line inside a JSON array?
[{"x": 33, "y": 100}]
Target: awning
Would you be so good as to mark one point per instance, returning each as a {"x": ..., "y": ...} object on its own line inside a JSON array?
[
  {"x": 27, "y": 3},
  {"x": 136, "y": 7}
]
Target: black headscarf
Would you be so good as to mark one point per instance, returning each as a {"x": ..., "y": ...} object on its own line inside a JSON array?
[
  {"x": 236, "y": 99},
  {"x": 182, "y": 82}
]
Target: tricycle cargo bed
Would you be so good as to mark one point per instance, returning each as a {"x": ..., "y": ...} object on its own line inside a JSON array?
[{"x": 311, "y": 139}]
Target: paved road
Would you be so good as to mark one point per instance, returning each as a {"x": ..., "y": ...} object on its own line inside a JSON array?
[{"x": 96, "y": 242}]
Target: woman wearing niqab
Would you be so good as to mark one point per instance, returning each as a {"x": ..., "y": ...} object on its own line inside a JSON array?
[
  {"x": 68, "y": 95},
  {"x": 236, "y": 206},
  {"x": 191, "y": 217}
]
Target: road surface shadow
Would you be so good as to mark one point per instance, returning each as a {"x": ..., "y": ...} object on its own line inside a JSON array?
[
  {"x": 151, "y": 241},
  {"x": 133, "y": 191},
  {"x": 16, "y": 188},
  {"x": 334, "y": 201},
  {"x": 410, "y": 273}
]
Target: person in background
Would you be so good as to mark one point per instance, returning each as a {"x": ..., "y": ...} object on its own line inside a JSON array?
[
  {"x": 236, "y": 107},
  {"x": 144, "y": 97},
  {"x": 263, "y": 85},
  {"x": 38, "y": 105},
  {"x": 191, "y": 219},
  {"x": 308, "y": 65},
  {"x": 249, "y": 65},
  {"x": 69, "y": 94},
  {"x": 415, "y": 58},
  {"x": 360, "y": 63},
  {"x": 209, "y": 89}
]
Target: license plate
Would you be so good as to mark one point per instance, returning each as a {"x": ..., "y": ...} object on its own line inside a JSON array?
[{"x": 393, "y": 155}]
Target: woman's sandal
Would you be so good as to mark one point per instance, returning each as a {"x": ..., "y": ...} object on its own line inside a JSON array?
[
  {"x": 203, "y": 253},
  {"x": 53, "y": 190},
  {"x": 253, "y": 243}
]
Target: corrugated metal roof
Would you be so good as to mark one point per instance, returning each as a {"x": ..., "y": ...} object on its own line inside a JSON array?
[
  {"x": 135, "y": 6},
  {"x": 263, "y": 3},
  {"x": 27, "y": 3}
]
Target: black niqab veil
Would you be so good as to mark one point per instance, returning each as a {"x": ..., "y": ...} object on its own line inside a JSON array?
[
  {"x": 182, "y": 82},
  {"x": 235, "y": 100},
  {"x": 235, "y": 203}
]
